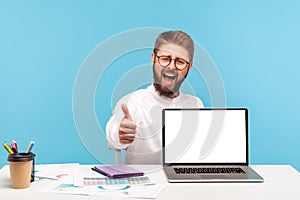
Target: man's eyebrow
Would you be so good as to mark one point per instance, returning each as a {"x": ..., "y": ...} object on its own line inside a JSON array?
[{"x": 171, "y": 56}]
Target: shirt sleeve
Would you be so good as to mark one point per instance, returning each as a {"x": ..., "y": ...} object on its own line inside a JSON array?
[{"x": 200, "y": 103}]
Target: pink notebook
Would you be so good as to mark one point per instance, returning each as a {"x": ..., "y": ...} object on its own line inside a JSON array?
[{"x": 117, "y": 171}]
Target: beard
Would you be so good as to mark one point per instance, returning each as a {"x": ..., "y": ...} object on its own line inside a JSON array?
[
  {"x": 163, "y": 91},
  {"x": 166, "y": 91}
]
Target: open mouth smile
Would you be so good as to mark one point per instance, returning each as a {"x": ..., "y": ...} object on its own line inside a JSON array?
[
  {"x": 169, "y": 79},
  {"x": 169, "y": 76}
]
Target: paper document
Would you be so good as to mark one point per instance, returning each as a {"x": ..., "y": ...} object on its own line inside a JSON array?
[
  {"x": 81, "y": 180},
  {"x": 131, "y": 191},
  {"x": 62, "y": 172},
  {"x": 147, "y": 191}
]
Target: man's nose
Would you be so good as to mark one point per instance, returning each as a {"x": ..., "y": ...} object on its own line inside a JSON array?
[{"x": 172, "y": 65}]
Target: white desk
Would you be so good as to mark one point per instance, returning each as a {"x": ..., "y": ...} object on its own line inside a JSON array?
[{"x": 282, "y": 182}]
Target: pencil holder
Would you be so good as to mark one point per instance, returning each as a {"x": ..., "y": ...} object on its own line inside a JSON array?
[{"x": 21, "y": 167}]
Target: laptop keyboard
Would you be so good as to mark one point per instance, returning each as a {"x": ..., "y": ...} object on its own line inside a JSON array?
[{"x": 209, "y": 170}]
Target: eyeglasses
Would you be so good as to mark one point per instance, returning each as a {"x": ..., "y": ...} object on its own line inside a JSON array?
[{"x": 180, "y": 64}]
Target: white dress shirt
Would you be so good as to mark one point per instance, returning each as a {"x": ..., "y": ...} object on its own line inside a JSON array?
[{"x": 145, "y": 106}]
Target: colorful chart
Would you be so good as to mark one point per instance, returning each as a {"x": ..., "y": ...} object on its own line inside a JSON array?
[
  {"x": 120, "y": 181},
  {"x": 114, "y": 187}
]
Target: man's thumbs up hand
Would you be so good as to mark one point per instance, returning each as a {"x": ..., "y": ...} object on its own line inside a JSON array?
[
  {"x": 127, "y": 127},
  {"x": 126, "y": 112}
]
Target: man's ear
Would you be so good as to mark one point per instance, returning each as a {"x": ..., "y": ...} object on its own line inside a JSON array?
[
  {"x": 190, "y": 66},
  {"x": 153, "y": 58}
]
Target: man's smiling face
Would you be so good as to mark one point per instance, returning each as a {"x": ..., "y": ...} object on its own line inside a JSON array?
[{"x": 167, "y": 80}]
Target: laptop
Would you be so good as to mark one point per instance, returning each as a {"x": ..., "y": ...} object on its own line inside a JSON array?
[{"x": 206, "y": 145}]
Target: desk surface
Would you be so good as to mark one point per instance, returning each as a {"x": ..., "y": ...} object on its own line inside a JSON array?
[{"x": 281, "y": 182}]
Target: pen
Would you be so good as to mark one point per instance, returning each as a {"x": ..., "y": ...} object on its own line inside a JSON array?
[
  {"x": 15, "y": 146},
  {"x": 8, "y": 149},
  {"x": 44, "y": 177},
  {"x": 13, "y": 149},
  {"x": 29, "y": 148},
  {"x": 146, "y": 184}
]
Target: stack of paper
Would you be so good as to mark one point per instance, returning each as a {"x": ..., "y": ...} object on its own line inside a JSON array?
[{"x": 75, "y": 179}]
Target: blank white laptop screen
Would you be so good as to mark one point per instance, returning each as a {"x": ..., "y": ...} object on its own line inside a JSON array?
[{"x": 207, "y": 136}]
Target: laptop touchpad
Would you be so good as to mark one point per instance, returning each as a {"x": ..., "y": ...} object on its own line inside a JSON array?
[{"x": 213, "y": 176}]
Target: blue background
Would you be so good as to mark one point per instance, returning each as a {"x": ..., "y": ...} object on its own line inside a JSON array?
[{"x": 255, "y": 45}]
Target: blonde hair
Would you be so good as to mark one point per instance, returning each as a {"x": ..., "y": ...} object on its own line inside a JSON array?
[{"x": 176, "y": 37}]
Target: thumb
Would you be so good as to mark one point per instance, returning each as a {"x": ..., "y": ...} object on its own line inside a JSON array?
[{"x": 126, "y": 112}]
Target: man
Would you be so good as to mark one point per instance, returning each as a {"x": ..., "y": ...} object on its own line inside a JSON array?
[{"x": 136, "y": 121}]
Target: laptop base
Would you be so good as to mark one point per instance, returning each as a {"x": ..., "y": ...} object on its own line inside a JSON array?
[{"x": 249, "y": 176}]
